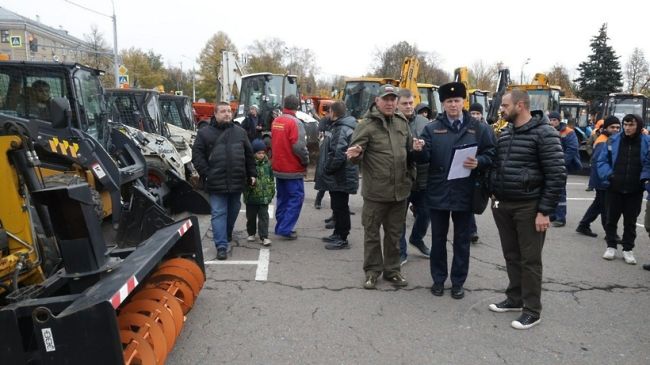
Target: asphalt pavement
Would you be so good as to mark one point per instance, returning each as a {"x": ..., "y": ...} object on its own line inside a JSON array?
[{"x": 297, "y": 303}]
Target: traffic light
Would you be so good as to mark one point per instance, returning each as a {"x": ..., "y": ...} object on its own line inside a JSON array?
[{"x": 33, "y": 43}]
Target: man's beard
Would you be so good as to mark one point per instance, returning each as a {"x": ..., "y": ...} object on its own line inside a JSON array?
[{"x": 511, "y": 117}]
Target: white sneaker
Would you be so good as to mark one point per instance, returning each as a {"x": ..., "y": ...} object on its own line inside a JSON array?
[
  {"x": 610, "y": 253},
  {"x": 250, "y": 239},
  {"x": 628, "y": 256},
  {"x": 266, "y": 242}
]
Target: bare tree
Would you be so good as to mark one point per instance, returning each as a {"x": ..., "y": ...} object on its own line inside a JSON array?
[
  {"x": 558, "y": 75},
  {"x": 98, "y": 55},
  {"x": 637, "y": 74},
  {"x": 483, "y": 76}
]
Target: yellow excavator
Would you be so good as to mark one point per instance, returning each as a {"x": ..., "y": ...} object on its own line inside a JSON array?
[
  {"x": 473, "y": 95},
  {"x": 543, "y": 96}
]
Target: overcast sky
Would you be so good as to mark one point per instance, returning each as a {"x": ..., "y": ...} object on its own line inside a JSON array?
[{"x": 345, "y": 35}]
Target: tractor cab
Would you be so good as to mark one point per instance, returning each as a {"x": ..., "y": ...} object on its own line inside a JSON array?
[
  {"x": 359, "y": 93},
  {"x": 267, "y": 91},
  {"x": 621, "y": 104}
]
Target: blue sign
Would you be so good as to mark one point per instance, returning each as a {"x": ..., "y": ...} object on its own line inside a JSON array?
[{"x": 123, "y": 79}]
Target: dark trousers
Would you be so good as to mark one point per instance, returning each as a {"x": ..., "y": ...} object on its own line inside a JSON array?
[
  {"x": 341, "y": 213},
  {"x": 289, "y": 199},
  {"x": 319, "y": 196},
  {"x": 473, "y": 229},
  {"x": 522, "y": 250},
  {"x": 390, "y": 216},
  {"x": 438, "y": 258},
  {"x": 257, "y": 214},
  {"x": 629, "y": 206},
  {"x": 560, "y": 210},
  {"x": 598, "y": 206},
  {"x": 420, "y": 223}
]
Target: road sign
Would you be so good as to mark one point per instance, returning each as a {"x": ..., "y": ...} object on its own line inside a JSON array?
[
  {"x": 122, "y": 70},
  {"x": 16, "y": 41},
  {"x": 124, "y": 79}
]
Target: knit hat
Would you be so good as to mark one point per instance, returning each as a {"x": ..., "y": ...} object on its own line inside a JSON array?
[
  {"x": 554, "y": 115},
  {"x": 610, "y": 120},
  {"x": 258, "y": 145},
  {"x": 476, "y": 107}
]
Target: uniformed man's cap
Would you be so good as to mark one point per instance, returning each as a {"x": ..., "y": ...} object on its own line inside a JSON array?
[
  {"x": 452, "y": 90},
  {"x": 387, "y": 89}
]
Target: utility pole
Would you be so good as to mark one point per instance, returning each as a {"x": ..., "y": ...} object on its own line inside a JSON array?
[{"x": 114, "y": 19}]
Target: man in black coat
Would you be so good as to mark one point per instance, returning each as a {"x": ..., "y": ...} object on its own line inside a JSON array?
[
  {"x": 449, "y": 196},
  {"x": 338, "y": 175},
  {"x": 223, "y": 157},
  {"x": 527, "y": 180}
]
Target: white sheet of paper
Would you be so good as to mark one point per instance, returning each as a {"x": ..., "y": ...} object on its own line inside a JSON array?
[{"x": 456, "y": 170}]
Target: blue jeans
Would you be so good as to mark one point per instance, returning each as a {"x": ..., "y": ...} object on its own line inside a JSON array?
[
  {"x": 225, "y": 209},
  {"x": 289, "y": 199},
  {"x": 421, "y": 222},
  {"x": 560, "y": 211}
]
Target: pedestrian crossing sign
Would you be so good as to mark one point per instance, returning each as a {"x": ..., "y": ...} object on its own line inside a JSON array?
[
  {"x": 124, "y": 79},
  {"x": 16, "y": 41}
]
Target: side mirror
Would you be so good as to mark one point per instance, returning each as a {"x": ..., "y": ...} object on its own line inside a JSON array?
[{"x": 60, "y": 112}]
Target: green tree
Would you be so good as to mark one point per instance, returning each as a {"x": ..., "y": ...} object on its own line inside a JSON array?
[
  {"x": 209, "y": 63},
  {"x": 601, "y": 73},
  {"x": 637, "y": 73},
  {"x": 267, "y": 56},
  {"x": 145, "y": 68},
  {"x": 558, "y": 75}
]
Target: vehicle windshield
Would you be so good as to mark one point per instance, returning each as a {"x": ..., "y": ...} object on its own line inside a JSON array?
[
  {"x": 170, "y": 112},
  {"x": 481, "y": 98},
  {"x": 424, "y": 95},
  {"x": 359, "y": 95},
  {"x": 540, "y": 100},
  {"x": 26, "y": 92},
  {"x": 92, "y": 106},
  {"x": 437, "y": 103},
  {"x": 569, "y": 113},
  {"x": 620, "y": 107}
]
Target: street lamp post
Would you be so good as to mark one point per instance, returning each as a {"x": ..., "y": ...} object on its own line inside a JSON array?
[
  {"x": 114, "y": 19},
  {"x": 521, "y": 78},
  {"x": 193, "y": 79}
]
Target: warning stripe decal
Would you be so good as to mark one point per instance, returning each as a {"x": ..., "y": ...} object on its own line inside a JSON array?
[{"x": 124, "y": 292}]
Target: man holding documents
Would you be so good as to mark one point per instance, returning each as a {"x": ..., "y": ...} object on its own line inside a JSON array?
[{"x": 456, "y": 146}]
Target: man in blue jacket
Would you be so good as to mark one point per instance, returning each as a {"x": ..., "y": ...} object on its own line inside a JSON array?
[
  {"x": 452, "y": 128},
  {"x": 624, "y": 167},
  {"x": 569, "y": 141}
]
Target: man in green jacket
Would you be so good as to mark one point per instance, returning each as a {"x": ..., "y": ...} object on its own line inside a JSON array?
[{"x": 382, "y": 144}]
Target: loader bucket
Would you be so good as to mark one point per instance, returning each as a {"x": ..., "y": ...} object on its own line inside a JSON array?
[
  {"x": 131, "y": 314},
  {"x": 184, "y": 198}
]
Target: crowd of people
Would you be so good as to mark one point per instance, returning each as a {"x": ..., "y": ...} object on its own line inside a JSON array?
[{"x": 404, "y": 154}]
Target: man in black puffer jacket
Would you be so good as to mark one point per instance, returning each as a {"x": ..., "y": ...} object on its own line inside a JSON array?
[
  {"x": 527, "y": 180},
  {"x": 223, "y": 156},
  {"x": 338, "y": 175}
]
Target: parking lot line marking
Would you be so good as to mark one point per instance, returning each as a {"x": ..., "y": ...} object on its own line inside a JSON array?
[
  {"x": 263, "y": 265},
  {"x": 226, "y": 262},
  {"x": 584, "y": 199}
]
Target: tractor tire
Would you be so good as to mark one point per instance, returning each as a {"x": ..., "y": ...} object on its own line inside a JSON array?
[
  {"x": 71, "y": 179},
  {"x": 156, "y": 177}
]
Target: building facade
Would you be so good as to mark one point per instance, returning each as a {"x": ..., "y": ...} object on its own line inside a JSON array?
[{"x": 24, "y": 39}]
